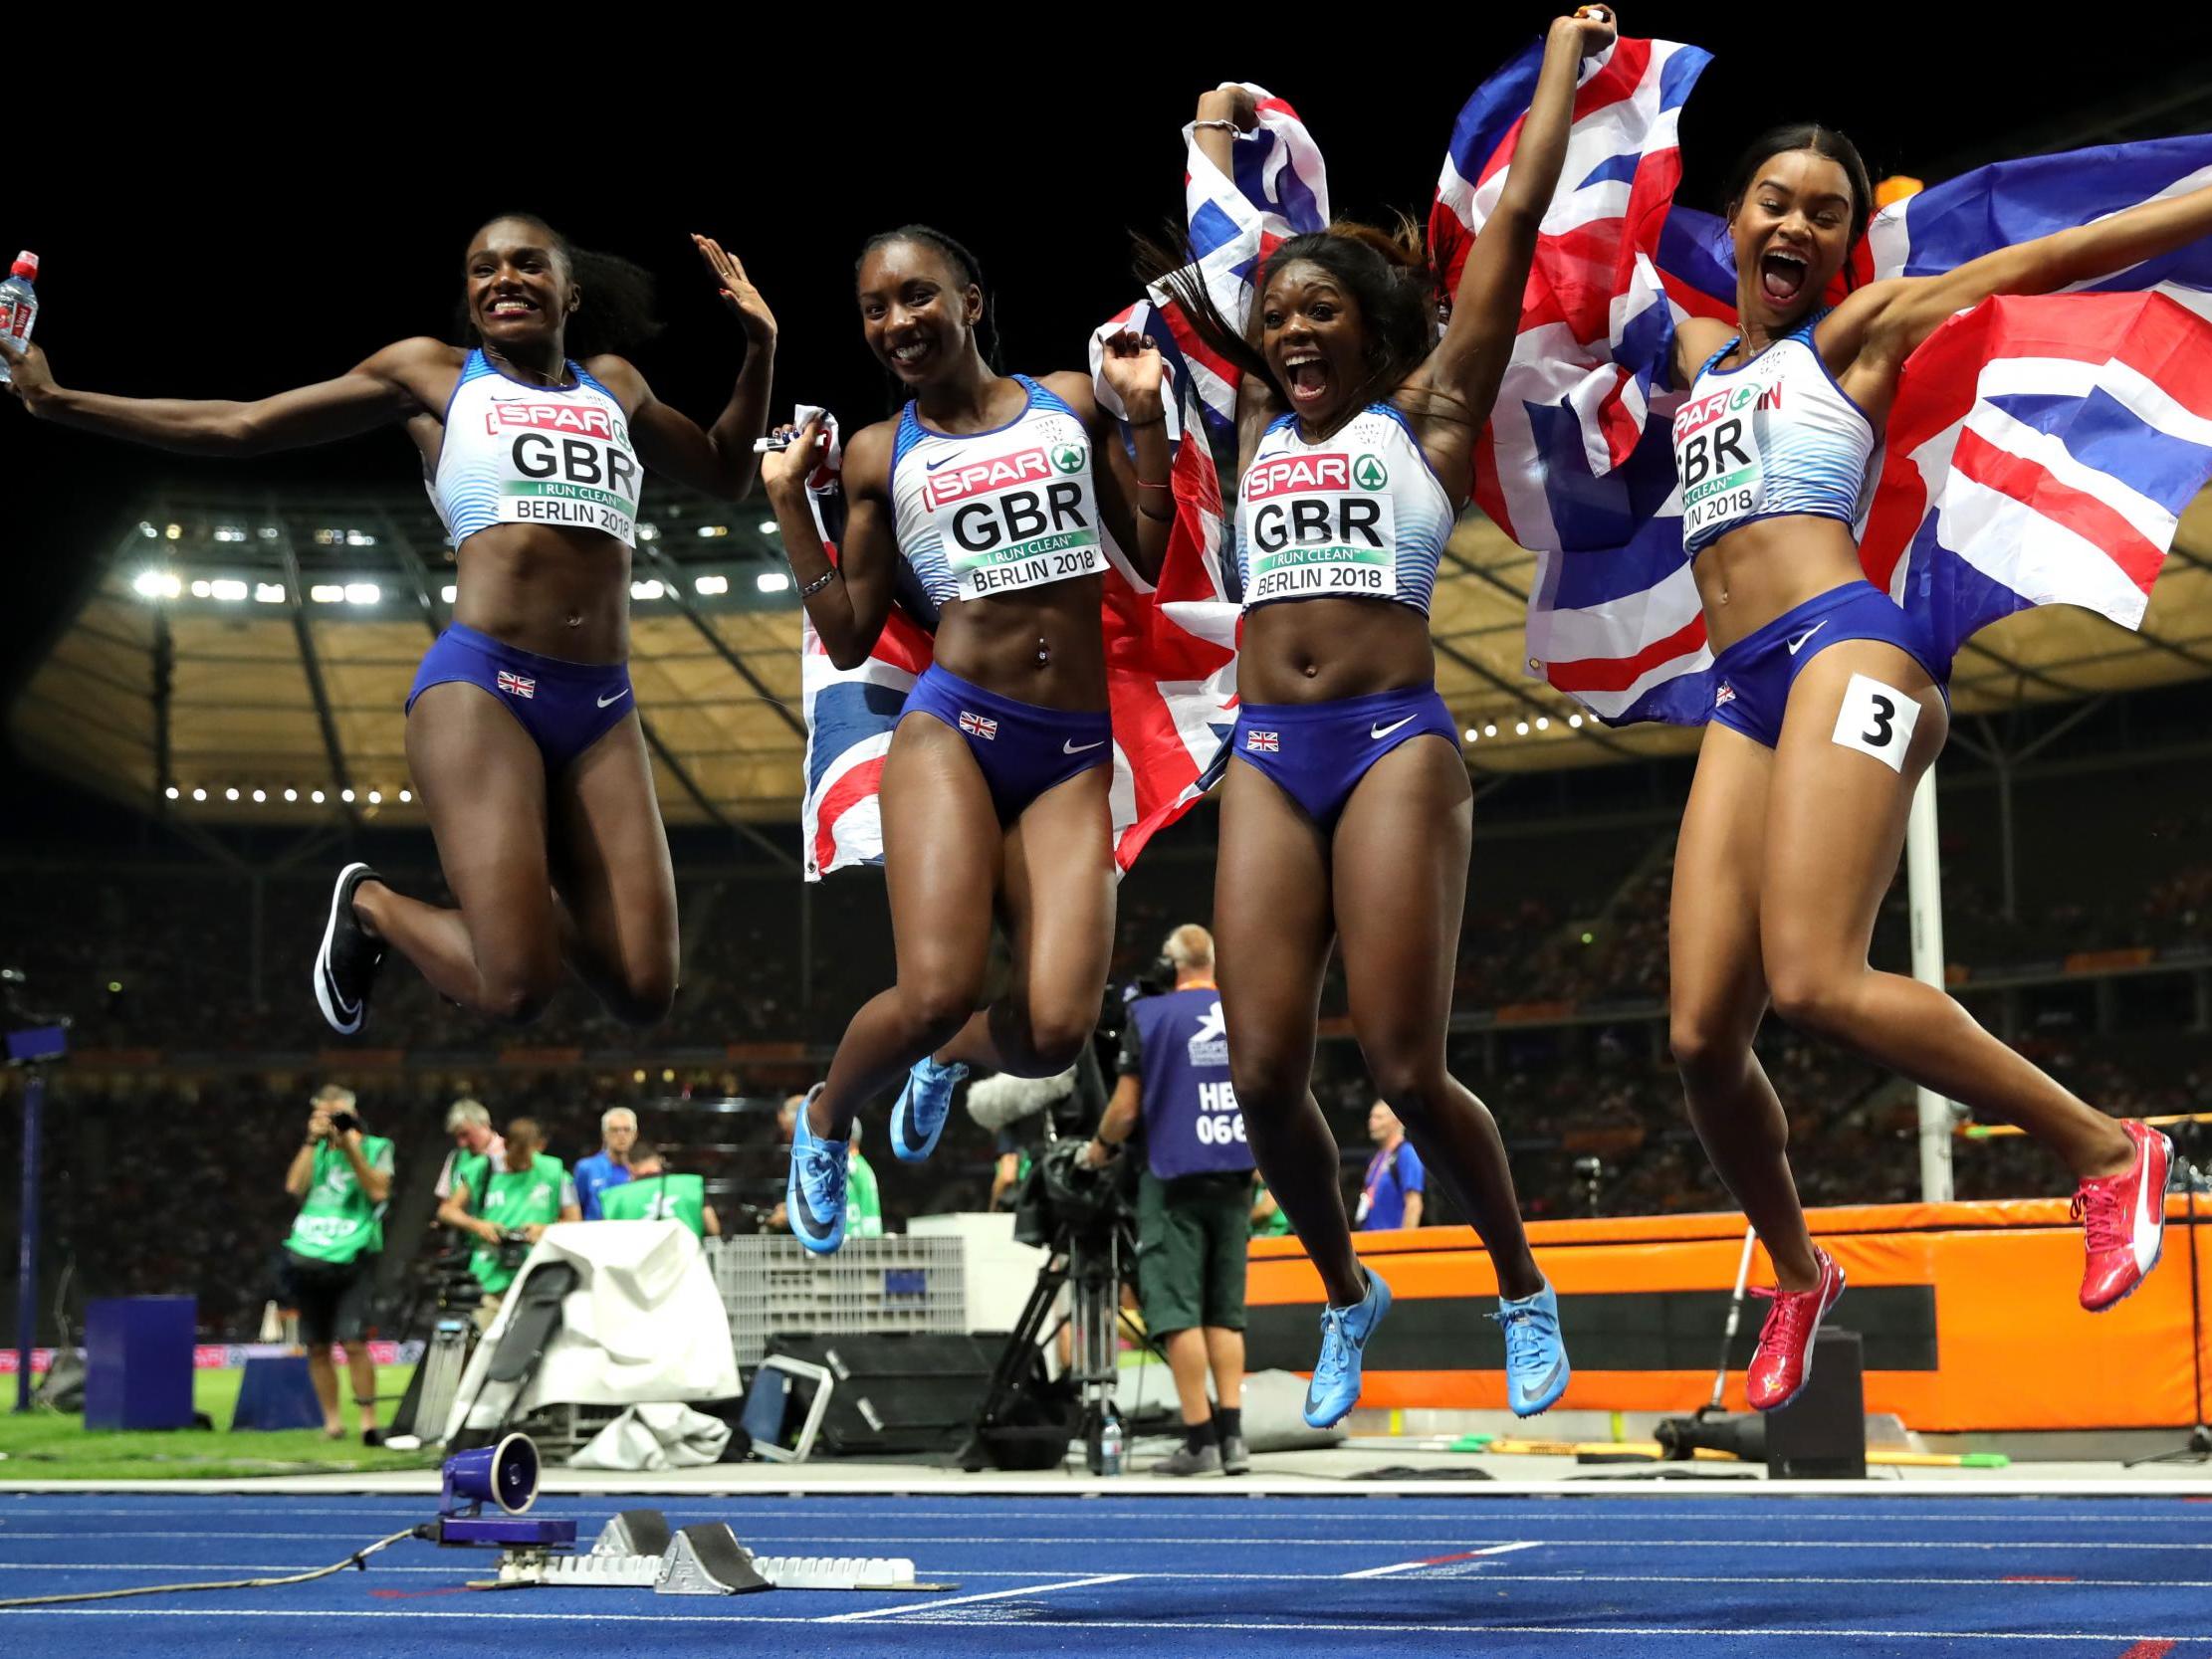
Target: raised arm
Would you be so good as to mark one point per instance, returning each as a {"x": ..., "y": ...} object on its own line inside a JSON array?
[
  {"x": 849, "y": 609},
  {"x": 380, "y": 391},
  {"x": 719, "y": 459},
  {"x": 1135, "y": 495},
  {"x": 1866, "y": 338},
  {"x": 1468, "y": 363}
]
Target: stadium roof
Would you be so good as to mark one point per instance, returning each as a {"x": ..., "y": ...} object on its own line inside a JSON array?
[{"x": 290, "y": 637}]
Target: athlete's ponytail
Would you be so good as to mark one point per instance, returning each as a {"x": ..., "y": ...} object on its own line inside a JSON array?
[{"x": 615, "y": 314}]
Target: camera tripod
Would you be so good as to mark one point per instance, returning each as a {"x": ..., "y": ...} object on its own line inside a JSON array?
[{"x": 1096, "y": 1261}]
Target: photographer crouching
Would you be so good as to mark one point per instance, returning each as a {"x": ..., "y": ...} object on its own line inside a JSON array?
[
  {"x": 1195, "y": 1202},
  {"x": 342, "y": 1176},
  {"x": 506, "y": 1206}
]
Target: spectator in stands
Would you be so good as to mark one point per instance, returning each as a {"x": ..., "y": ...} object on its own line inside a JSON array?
[
  {"x": 342, "y": 1178},
  {"x": 506, "y": 1205},
  {"x": 610, "y": 1165},
  {"x": 1193, "y": 1199},
  {"x": 863, "y": 1198},
  {"x": 470, "y": 1126},
  {"x": 1395, "y": 1189},
  {"x": 656, "y": 1194}
]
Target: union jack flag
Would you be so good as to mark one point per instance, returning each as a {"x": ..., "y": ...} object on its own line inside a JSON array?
[
  {"x": 2039, "y": 450},
  {"x": 978, "y": 725},
  {"x": 1171, "y": 645},
  {"x": 1263, "y": 742},
  {"x": 517, "y": 685}
]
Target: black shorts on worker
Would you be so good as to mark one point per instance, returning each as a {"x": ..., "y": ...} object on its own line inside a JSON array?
[
  {"x": 1193, "y": 1235},
  {"x": 332, "y": 1297}
]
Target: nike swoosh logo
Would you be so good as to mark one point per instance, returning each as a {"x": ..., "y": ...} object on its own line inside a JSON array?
[
  {"x": 1071, "y": 747},
  {"x": 929, "y": 465},
  {"x": 346, "y": 1010},
  {"x": 610, "y": 701},
  {"x": 1386, "y": 731},
  {"x": 1551, "y": 1376},
  {"x": 1798, "y": 644}
]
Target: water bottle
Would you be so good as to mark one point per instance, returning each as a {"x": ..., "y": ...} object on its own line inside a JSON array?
[
  {"x": 1109, "y": 1444},
  {"x": 19, "y": 303}
]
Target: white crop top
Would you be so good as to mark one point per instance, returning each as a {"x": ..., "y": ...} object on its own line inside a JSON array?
[
  {"x": 1776, "y": 436},
  {"x": 993, "y": 512},
  {"x": 518, "y": 454},
  {"x": 1359, "y": 515}
]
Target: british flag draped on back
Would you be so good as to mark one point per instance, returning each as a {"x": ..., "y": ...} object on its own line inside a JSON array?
[
  {"x": 1169, "y": 644},
  {"x": 2039, "y": 448}
]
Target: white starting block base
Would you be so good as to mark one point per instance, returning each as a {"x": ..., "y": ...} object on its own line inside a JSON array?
[{"x": 699, "y": 1561}]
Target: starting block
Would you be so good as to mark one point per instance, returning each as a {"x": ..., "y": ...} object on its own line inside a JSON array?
[{"x": 637, "y": 1549}]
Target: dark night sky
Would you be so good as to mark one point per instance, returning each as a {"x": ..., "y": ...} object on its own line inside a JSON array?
[{"x": 257, "y": 236}]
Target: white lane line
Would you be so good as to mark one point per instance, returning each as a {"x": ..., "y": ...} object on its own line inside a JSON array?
[
  {"x": 904, "y": 1610},
  {"x": 877, "y": 1539},
  {"x": 1473, "y": 1628},
  {"x": 1442, "y": 1560}
]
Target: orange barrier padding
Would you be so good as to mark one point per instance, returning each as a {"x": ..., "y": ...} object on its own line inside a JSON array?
[{"x": 1968, "y": 1312}]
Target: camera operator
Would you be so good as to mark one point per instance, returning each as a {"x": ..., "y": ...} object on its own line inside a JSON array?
[
  {"x": 343, "y": 1177},
  {"x": 1396, "y": 1186},
  {"x": 506, "y": 1206},
  {"x": 1195, "y": 1201},
  {"x": 611, "y": 1165},
  {"x": 653, "y": 1192}
]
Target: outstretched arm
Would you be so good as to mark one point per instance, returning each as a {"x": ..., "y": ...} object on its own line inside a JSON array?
[
  {"x": 1135, "y": 491},
  {"x": 719, "y": 459},
  {"x": 849, "y": 609},
  {"x": 1470, "y": 361},
  {"x": 380, "y": 391},
  {"x": 1872, "y": 332}
]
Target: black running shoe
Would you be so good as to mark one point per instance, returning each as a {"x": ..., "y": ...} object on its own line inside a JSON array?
[{"x": 345, "y": 967}]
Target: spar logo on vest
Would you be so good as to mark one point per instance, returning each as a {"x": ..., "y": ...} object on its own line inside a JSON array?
[
  {"x": 1208, "y": 1045},
  {"x": 1016, "y": 518},
  {"x": 571, "y": 463},
  {"x": 1320, "y": 525}
]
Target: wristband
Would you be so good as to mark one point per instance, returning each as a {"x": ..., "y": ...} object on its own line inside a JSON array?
[
  {"x": 809, "y": 589},
  {"x": 1230, "y": 128},
  {"x": 1160, "y": 418}
]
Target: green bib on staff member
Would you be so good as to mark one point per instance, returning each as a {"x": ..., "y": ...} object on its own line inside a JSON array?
[
  {"x": 337, "y": 1222},
  {"x": 511, "y": 1200},
  {"x": 658, "y": 1198}
]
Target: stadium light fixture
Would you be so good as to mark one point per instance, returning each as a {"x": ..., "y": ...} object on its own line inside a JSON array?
[
  {"x": 231, "y": 794},
  {"x": 292, "y": 794},
  {"x": 1490, "y": 731},
  {"x": 229, "y": 589},
  {"x": 1472, "y": 733},
  {"x": 147, "y": 530},
  {"x": 1543, "y": 723},
  {"x": 230, "y": 533},
  {"x": 359, "y": 539},
  {"x": 449, "y": 593},
  {"x": 362, "y": 593},
  {"x": 376, "y": 797},
  {"x": 1520, "y": 728},
  {"x": 202, "y": 588},
  {"x": 156, "y": 584},
  {"x": 199, "y": 794},
  {"x": 648, "y": 533},
  {"x": 711, "y": 584},
  {"x": 170, "y": 791},
  {"x": 768, "y": 526},
  {"x": 407, "y": 795},
  {"x": 316, "y": 795},
  {"x": 269, "y": 593},
  {"x": 259, "y": 795},
  {"x": 1574, "y": 721},
  {"x": 649, "y": 588},
  {"x": 345, "y": 795},
  {"x": 327, "y": 593},
  {"x": 771, "y": 581},
  {"x": 176, "y": 532},
  {"x": 707, "y": 533}
]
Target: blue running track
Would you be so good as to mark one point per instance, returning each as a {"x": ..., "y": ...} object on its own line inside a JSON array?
[{"x": 1579, "y": 1577}]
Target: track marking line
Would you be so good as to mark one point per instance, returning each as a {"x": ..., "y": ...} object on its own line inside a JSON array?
[
  {"x": 1440, "y": 1560},
  {"x": 908, "y": 1611},
  {"x": 2150, "y": 1647}
]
